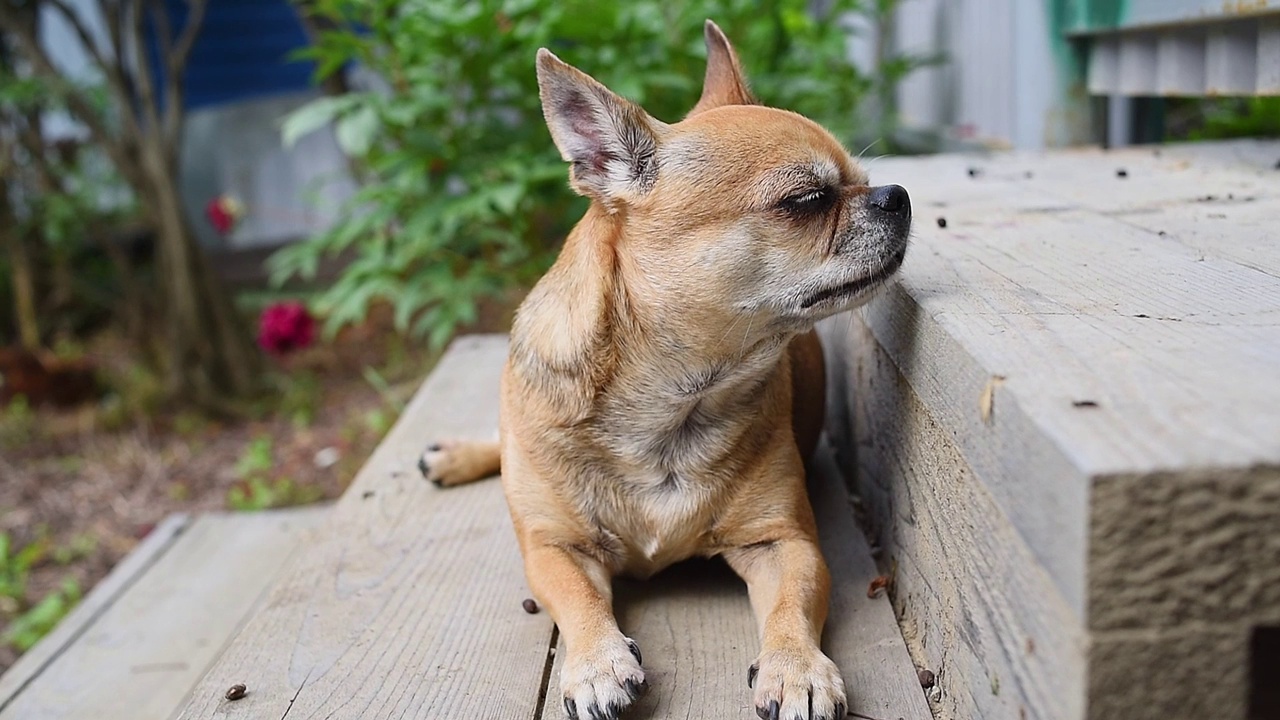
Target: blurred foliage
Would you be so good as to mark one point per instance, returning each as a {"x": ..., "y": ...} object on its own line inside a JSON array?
[
  {"x": 65, "y": 198},
  {"x": 259, "y": 488},
  {"x": 28, "y": 622},
  {"x": 1222, "y": 118},
  {"x": 27, "y": 629},
  {"x": 17, "y": 424},
  {"x": 463, "y": 194}
]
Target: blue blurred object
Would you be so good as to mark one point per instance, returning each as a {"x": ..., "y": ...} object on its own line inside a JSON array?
[{"x": 242, "y": 52}]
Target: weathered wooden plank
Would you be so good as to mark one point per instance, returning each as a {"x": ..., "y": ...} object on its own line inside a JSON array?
[
  {"x": 407, "y": 604},
  {"x": 1069, "y": 421},
  {"x": 139, "y": 657},
  {"x": 983, "y": 613},
  {"x": 695, "y": 627},
  {"x": 99, "y": 600},
  {"x": 1042, "y": 310}
]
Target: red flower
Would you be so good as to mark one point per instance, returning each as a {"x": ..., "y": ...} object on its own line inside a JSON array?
[
  {"x": 285, "y": 327},
  {"x": 224, "y": 213}
]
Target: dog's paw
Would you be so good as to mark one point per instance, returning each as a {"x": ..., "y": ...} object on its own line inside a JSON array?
[
  {"x": 601, "y": 683},
  {"x": 448, "y": 463},
  {"x": 437, "y": 462},
  {"x": 797, "y": 684}
]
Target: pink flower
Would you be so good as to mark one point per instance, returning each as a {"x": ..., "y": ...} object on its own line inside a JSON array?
[
  {"x": 285, "y": 327},
  {"x": 224, "y": 213}
]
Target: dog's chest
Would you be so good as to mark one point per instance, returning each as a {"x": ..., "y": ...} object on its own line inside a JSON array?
[
  {"x": 655, "y": 519},
  {"x": 668, "y": 449}
]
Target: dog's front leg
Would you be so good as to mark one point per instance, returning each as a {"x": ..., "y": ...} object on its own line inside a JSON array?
[
  {"x": 789, "y": 587},
  {"x": 601, "y": 676}
]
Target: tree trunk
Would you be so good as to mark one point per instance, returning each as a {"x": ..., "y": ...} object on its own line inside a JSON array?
[
  {"x": 24, "y": 280},
  {"x": 208, "y": 356}
]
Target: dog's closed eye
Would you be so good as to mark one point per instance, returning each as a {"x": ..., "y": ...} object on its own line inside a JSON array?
[{"x": 809, "y": 202}]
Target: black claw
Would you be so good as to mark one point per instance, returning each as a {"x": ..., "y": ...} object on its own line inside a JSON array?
[
  {"x": 811, "y": 704},
  {"x": 423, "y": 467},
  {"x": 763, "y": 712},
  {"x": 635, "y": 650},
  {"x": 773, "y": 710},
  {"x": 572, "y": 708},
  {"x": 751, "y": 674},
  {"x": 635, "y": 689},
  {"x": 841, "y": 711},
  {"x": 595, "y": 713}
]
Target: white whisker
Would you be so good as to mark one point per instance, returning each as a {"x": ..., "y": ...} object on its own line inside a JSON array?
[{"x": 868, "y": 147}]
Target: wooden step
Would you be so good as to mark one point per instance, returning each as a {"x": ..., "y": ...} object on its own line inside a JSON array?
[
  {"x": 1065, "y": 422},
  {"x": 140, "y": 640},
  {"x": 408, "y": 603}
]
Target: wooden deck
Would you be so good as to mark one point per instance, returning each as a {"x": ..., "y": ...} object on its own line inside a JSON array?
[
  {"x": 1065, "y": 421},
  {"x": 136, "y": 645},
  {"x": 408, "y": 603}
]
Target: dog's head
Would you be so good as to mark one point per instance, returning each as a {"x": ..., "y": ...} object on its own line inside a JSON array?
[{"x": 737, "y": 210}]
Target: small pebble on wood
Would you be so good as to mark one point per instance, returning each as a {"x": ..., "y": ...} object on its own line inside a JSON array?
[
  {"x": 974, "y": 172},
  {"x": 942, "y": 222},
  {"x": 927, "y": 678},
  {"x": 1122, "y": 173},
  {"x": 237, "y": 691},
  {"x": 529, "y": 605}
]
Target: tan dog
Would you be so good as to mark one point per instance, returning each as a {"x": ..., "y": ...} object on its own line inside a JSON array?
[{"x": 664, "y": 381}]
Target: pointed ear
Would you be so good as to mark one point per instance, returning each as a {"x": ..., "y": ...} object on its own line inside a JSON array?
[
  {"x": 611, "y": 142},
  {"x": 725, "y": 83}
]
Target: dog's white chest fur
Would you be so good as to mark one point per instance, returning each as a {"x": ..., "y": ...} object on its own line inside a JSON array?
[
  {"x": 668, "y": 519},
  {"x": 671, "y": 440}
]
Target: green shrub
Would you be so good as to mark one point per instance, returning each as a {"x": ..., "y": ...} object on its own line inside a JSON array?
[{"x": 463, "y": 194}]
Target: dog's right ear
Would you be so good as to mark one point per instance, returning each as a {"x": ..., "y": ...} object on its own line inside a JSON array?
[
  {"x": 725, "y": 83},
  {"x": 611, "y": 143}
]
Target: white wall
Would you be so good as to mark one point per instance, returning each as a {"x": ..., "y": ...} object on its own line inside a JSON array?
[{"x": 1005, "y": 82}]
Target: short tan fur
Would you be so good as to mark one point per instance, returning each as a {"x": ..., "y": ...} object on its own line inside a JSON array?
[{"x": 665, "y": 385}]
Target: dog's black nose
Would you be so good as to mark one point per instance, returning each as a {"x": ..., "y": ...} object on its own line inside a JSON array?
[{"x": 891, "y": 199}]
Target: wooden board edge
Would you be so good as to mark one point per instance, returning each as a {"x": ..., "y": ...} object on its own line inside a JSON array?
[
  {"x": 313, "y": 517},
  {"x": 105, "y": 594}
]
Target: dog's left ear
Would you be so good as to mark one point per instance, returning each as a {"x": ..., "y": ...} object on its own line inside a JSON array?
[
  {"x": 725, "y": 83},
  {"x": 612, "y": 143}
]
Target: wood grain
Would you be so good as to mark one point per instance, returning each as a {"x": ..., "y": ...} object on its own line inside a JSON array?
[
  {"x": 98, "y": 601},
  {"x": 407, "y": 604},
  {"x": 1065, "y": 420},
  {"x": 695, "y": 628},
  {"x": 984, "y": 615},
  {"x": 139, "y": 657},
  {"x": 1121, "y": 350}
]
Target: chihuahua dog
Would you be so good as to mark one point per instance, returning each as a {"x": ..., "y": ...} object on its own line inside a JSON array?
[{"x": 664, "y": 383}]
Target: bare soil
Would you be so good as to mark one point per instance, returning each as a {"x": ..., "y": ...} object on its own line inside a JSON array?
[{"x": 90, "y": 494}]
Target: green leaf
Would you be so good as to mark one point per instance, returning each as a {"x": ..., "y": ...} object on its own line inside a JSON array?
[
  {"x": 357, "y": 130},
  {"x": 313, "y": 116}
]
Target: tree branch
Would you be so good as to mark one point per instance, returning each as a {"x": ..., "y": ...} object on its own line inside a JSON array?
[
  {"x": 112, "y": 68},
  {"x": 73, "y": 19},
  {"x": 141, "y": 67},
  {"x": 175, "y": 59},
  {"x": 119, "y": 149},
  {"x": 190, "y": 31}
]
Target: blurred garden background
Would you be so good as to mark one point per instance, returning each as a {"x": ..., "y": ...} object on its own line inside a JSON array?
[{"x": 234, "y": 235}]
